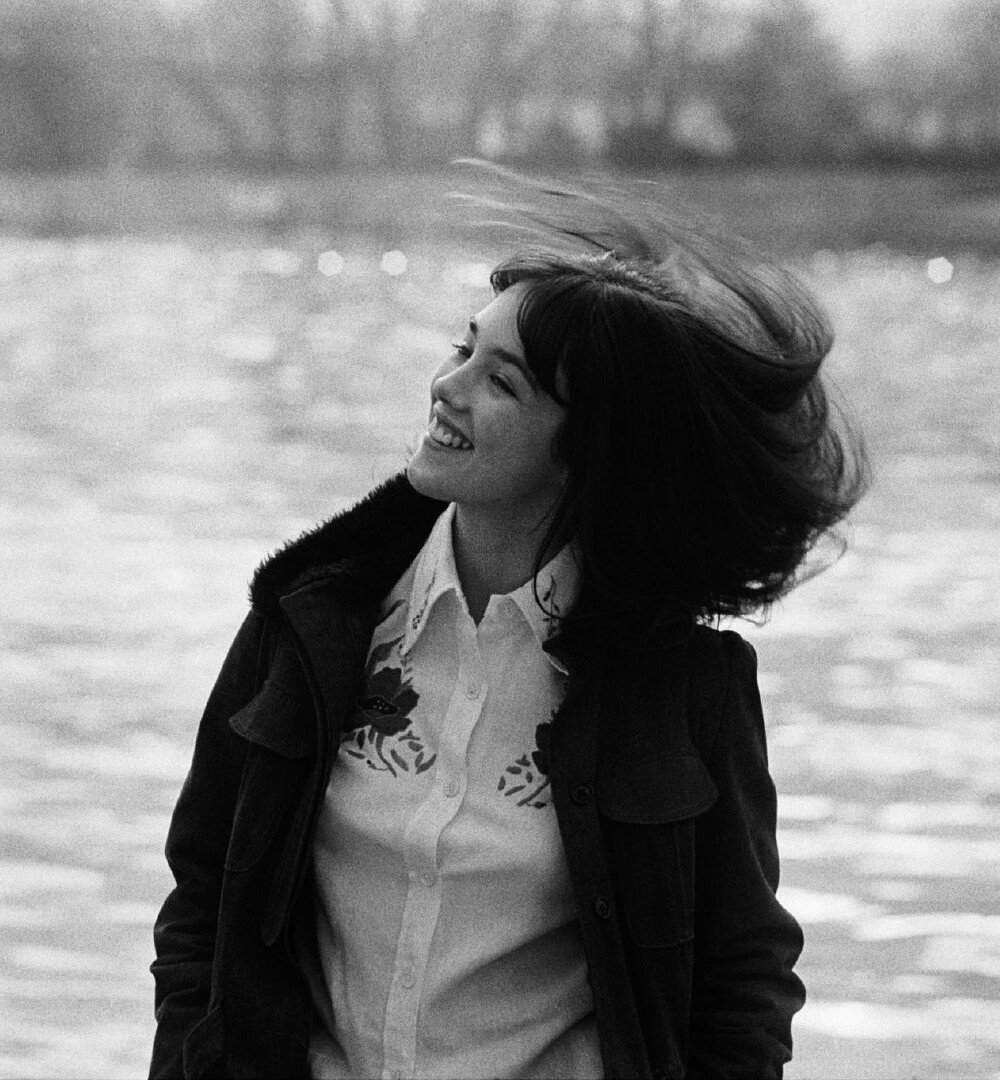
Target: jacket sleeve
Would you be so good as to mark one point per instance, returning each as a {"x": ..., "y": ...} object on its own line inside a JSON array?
[
  {"x": 184, "y": 934},
  {"x": 744, "y": 990}
]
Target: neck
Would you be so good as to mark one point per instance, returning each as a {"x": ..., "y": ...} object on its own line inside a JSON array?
[{"x": 492, "y": 556}]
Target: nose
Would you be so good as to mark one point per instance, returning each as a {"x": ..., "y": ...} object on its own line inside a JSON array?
[{"x": 451, "y": 386}]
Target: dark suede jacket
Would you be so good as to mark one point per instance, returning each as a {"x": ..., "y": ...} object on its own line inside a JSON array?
[{"x": 658, "y": 767}]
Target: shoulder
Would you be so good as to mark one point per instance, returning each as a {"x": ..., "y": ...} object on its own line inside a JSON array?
[
  {"x": 698, "y": 662},
  {"x": 704, "y": 678},
  {"x": 724, "y": 706},
  {"x": 716, "y": 656},
  {"x": 362, "y": 551}
]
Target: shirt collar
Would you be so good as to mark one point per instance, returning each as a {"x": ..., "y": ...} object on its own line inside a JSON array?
[
  {"x": 436, "y": 574},
  {"x": 558, "y": 584}
]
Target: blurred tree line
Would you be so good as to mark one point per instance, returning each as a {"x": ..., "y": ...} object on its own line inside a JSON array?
[{"x": 280, "y": 85}]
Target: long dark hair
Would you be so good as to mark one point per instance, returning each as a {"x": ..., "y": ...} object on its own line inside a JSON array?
[{"x": 704, "y": 461}]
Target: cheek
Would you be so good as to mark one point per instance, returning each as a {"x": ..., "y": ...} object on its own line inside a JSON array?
[
  {"x": 545, "y": 456},
  {"x": 557, "y": 437},
  {"x": 559, "y": 444}
]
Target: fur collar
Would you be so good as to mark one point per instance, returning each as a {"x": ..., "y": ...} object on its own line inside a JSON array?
[{"x": 364, "y": 550}]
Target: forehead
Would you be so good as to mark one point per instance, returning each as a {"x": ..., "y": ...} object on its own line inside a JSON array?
[{"x": 498, "y": 320}]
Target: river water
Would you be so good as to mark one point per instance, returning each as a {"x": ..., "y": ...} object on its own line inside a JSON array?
[{"x": 171, "y": 411}]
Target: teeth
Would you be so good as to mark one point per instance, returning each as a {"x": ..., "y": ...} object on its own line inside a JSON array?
[{"x": 442, "y": 435}]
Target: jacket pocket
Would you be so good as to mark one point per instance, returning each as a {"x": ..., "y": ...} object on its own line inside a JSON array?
[
  {"x": 651, "y": 810},
  {"x": 204, "y": 1044},
  {"x": 280, "y": 726},
  {"x": 281, "y": 718}
]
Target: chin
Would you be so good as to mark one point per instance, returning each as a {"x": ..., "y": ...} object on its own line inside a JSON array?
[{"x": 427, "y": 480}]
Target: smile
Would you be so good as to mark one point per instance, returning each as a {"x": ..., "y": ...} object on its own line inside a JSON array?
[{"x": 446, "y": 436}]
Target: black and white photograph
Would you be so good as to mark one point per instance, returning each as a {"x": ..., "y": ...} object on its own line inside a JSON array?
[{"x": 500, "y": 539}]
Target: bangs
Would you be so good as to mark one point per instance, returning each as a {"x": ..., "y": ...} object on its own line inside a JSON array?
[
  {"x": 552, "y": 311},
  {"x": 571, "y": 303}
]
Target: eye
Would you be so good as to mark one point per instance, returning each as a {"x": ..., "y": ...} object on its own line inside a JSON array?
[
  {"x": 505, "y": 386},
  {"x": 462, "y": 349}
]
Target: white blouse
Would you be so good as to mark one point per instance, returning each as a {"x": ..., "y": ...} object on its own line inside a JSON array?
[{"x": 447, "y": 930}]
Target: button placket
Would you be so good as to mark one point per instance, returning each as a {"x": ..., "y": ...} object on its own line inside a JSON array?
[
  {"x": 422, "y": 835},
  {"x": 463, "y": 715},
  {"x": 420, "y": 916}
]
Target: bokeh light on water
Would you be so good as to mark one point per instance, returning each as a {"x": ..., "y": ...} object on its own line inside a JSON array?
[
  {"x": 940, "y": 270},
  {"x": 169, "y": 412}
]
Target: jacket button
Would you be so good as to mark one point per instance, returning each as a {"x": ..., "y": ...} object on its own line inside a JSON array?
[
  {"x": 602, "y": 907},
  {"x": 581, "y": 794}
]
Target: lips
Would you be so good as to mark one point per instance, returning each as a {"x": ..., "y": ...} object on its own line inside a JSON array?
[{"x": 444, "y": 433}]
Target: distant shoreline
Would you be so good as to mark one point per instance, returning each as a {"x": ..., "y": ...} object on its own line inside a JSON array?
[{"x": 920, "y": 211}]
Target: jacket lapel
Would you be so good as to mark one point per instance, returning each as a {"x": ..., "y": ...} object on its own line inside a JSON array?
[
  {"x": 331, "y": 640},
  {"x": 327, "y": 586}
]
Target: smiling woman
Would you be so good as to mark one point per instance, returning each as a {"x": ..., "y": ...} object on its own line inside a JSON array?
[
  {"x": 491, "y": 450},
  {"x": 479, "y": 790}
]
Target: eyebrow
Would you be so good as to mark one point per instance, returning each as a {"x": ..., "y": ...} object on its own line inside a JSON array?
[{"x": 509, "y": 358}]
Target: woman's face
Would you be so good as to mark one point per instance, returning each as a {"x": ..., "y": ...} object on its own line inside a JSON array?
[{"x": 492, "y": 427}]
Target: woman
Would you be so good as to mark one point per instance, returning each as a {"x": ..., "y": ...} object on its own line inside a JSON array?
[{"x": 479, "y": 791}]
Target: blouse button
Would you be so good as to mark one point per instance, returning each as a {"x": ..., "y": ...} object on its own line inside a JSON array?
[
  {"x": 452, "y": 788},
  {"x": 582, "y": 794},
  {"x": 602, "y": 907},
  {"x": 472, "y": 691}
]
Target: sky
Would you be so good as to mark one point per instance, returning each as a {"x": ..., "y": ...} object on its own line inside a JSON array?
[{"x": 864, "y": 25}]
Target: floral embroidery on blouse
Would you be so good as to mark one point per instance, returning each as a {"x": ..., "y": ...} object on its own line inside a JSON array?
[
  {"x": 417, "y": 619},
  {"x": 381, "y": 735},
  {"x": 528, "y": 777},
  {"x": 553, "y": 612}
]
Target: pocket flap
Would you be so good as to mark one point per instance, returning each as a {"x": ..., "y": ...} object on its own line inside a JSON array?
[
  {"x": 280, "y": 718},
  {"x": 669, "y": 787},
  {"x": 204, "y": 1043}
]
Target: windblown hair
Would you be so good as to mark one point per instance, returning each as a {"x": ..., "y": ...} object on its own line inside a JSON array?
[{"x": 704, "y": 464}]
